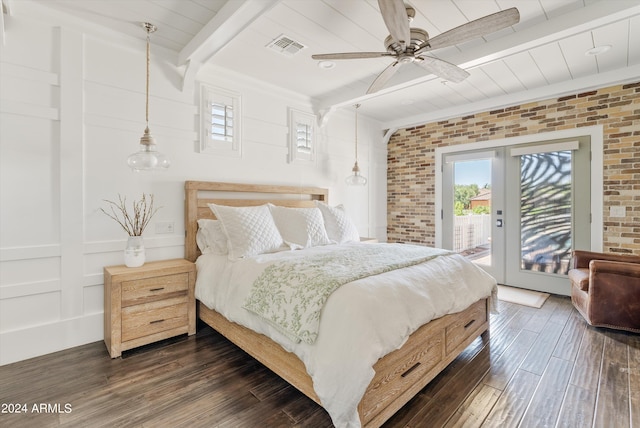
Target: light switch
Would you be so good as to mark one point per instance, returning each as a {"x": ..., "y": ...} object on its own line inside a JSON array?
[{"x": 617, "y": 211}]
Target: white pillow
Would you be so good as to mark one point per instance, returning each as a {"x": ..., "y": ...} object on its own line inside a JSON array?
[
  {"x": 211, "y": 237},
  {"x": 250, "y": 230},
  {"x": 300, "y": 227},
  {"x": 339, "y": 226}
]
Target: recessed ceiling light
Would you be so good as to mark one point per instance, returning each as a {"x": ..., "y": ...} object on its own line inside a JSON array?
[
  {"x": 597, "y": 50},
  {"x": 326, "y": 65}
]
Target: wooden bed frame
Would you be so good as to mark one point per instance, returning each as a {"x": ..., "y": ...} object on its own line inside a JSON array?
[{"x": 399, "y": 375}]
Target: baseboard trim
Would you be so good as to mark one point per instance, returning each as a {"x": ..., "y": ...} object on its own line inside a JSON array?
[{"x": 31, "y": 342}]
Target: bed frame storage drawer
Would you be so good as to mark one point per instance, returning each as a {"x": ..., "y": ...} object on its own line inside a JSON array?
[
  {"x": 399, "y": 371},
  {"x": 466, "y": 325},
  {"x": 149, "y": 303}
]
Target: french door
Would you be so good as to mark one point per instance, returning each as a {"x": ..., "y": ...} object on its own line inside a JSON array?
[{"x": 519, "y": 211}]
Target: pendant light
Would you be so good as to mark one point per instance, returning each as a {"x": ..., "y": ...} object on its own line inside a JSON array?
[
  {"x": 356, "y": 179},
  {"x": 147, "y": 158}
]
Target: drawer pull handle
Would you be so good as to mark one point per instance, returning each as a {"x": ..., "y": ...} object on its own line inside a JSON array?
[
  {"x": 467, "y": 325},
  {"x": 156, "y": 321},
  {"x": 412, "y": 368},
  {"x": 157, "y": 289}
]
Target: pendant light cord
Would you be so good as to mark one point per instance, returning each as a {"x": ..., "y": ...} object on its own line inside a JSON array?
[
  {"x": 149, "y": 28},
  {"x": 357, "y": 106},
  {"x": 148, "y": 65}
]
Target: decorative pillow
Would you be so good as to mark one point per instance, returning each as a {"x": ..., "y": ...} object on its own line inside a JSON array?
[
  {"x": 211, "y": 237},
  {"x": 300, "y": 227},
  {"x": 250, "y": 230},
  {"x": 339, "y": 226}
]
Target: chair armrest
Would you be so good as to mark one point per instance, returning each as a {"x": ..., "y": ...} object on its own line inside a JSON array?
[
  {"x": 582, "y": 258},
  {"x": 580, "y": 277},
  {"x": 614, "y": 281}
]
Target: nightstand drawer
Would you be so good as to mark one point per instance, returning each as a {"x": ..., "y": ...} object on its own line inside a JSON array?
[
  {"x": 151, "y": 289},
  {"x": 143, "y": 320}
]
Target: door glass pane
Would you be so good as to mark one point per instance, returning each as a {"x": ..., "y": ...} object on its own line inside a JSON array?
[
  {"x": 472, "y": 210},
  {"x": 545, "y": 212}
]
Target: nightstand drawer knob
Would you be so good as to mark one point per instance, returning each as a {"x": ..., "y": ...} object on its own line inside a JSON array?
[
  {"x": 157, "y": 289},
  {"x": 156, "y": 321}
]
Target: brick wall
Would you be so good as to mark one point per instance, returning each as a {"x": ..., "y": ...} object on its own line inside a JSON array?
[{"x": 411, "y": 160}]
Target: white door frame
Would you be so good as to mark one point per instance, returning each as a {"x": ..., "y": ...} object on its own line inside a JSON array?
[
  {"x": 497, "y": 204},
  {"x": 597, "y": 176}
]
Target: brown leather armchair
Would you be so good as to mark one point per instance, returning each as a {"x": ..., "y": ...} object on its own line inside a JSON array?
[{"x": 605, "y": 289}]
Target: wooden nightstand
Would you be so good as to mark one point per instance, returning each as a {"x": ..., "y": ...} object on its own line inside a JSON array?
[{"x": 148, "y": 303}]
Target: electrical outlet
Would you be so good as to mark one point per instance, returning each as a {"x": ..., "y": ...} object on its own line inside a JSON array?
[
  {"x": 164, "y": 227},
  {"x": 617, "y": 211}
]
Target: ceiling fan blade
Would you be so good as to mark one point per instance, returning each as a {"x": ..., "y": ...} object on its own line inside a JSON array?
[
  {"x": 351, "y": 55},
  {"x": 471, "y": 30},
  {"x": 395, "y": 18},
  {"x": 442, "y": 69},
  {"x": 383, "y": 77}
]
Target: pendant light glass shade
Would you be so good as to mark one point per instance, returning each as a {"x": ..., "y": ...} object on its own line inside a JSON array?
[
  {"x": 356, "y": 179},
  {"x": 147, "y": 158}
]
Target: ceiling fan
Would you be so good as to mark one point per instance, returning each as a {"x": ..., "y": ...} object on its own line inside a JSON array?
[{"x": 410, "y": 45}]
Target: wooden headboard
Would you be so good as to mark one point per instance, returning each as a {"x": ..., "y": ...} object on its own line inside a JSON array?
[{"x": 200, "y": 193}]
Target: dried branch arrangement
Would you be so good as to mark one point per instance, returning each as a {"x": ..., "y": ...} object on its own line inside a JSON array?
[{"x": 133, "y": 224}]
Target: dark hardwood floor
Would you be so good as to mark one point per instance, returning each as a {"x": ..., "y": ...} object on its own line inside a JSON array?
[{"x": 537, "y": 367}]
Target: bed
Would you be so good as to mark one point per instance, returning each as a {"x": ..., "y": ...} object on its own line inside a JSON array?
[{"x": 397, "y": 376}]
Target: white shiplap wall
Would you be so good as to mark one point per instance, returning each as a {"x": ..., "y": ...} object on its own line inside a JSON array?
[{"x": 72, "y": 110}]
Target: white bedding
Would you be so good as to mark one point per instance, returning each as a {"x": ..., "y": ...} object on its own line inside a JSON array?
[{"x": 380, "y": 312}]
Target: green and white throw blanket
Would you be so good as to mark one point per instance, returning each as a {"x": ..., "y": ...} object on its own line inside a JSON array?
[{"x": 290, "y": 294}]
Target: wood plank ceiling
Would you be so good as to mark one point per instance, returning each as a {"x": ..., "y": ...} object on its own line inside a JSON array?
[{"x": 541, "y": 56}]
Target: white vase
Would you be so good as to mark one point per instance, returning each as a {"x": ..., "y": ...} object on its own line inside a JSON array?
[{"x": 134, "y": 252}]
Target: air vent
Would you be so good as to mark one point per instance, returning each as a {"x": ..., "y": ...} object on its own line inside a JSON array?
[{"x": 286, "y": 45}]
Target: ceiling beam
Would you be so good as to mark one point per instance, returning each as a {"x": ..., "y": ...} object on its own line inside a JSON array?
[{"x": 230, "y": 20}]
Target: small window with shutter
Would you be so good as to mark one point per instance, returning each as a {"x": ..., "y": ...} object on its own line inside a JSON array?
[
  {"x": 302, "y": 130},
  {"x": 220, "y": 117}
]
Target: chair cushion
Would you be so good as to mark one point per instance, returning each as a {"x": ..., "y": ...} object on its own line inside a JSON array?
[{"x": 580, "y": 277}]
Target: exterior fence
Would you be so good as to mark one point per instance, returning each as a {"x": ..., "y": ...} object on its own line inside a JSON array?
[{"x": 471, "y": 231}]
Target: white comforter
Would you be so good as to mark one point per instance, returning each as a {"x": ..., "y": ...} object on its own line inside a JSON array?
[{"x": 361, "y": 322}]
